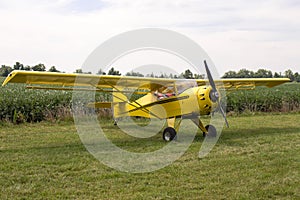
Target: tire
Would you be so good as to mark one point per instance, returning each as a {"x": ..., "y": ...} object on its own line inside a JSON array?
[
  {"x": 169, "y": 134},
  {"x": 212, "y": 132}
]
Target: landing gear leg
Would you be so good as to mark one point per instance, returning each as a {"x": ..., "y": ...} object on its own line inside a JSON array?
[
  {"x": 200, "y": 125},
  {"x": 211, "y": 131},
  {"x": 115, "y": 122},
  {"x": 170, "y": 133}
]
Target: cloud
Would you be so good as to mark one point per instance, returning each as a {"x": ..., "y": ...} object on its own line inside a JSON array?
[
  {"x": 235, "y": 33},
  {"x": 76, "y": 6}
]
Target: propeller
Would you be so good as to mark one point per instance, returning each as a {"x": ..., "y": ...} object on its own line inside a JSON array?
[{"x": 214, "y": 94}]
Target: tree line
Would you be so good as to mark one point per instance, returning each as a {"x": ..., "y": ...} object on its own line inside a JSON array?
[
  {"x": 5, "y": 70},
  {"x": 187, "y": 74},
  {"x": 262, "y": 73}
]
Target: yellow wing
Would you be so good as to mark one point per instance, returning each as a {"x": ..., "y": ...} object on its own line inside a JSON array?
[
  {"x": 142, "y": 83},
  {"x": 245, "y": 83},
  {"x": 99, "y": 81}
]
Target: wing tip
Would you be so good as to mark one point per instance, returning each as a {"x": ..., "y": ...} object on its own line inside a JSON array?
[{"x": 8, "y": 78}]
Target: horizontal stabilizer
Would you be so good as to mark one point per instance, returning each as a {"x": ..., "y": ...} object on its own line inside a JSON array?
[{"x": 100, "y": 105}]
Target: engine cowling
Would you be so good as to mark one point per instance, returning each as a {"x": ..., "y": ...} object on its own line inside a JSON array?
[{"x": 207, "y": 99}]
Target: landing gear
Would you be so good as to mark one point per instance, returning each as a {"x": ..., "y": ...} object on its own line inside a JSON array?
[
  {"x": 169, "y": 134},
  {"x": 211, "y": 131},
  {"x": 115, "y": 122}
]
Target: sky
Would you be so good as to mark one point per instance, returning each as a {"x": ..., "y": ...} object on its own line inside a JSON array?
[{"x": 235, "y": 33}]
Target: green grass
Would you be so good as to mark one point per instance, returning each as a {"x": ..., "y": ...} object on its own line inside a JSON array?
[{"x": 256, "y": 158}]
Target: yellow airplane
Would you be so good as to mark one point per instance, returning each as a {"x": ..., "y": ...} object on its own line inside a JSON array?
[{"x": 167, "y": 99}]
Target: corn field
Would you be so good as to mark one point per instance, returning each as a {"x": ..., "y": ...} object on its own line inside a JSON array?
[
  {"x": 18, "y": 104},
  {"x": 283, "y": 98}
]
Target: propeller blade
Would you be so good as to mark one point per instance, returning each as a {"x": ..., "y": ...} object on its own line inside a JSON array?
[
  {"x": 212, "y": 83},
  {"x": 209, "y": 76},
  {"x": 224, "y": 115}
]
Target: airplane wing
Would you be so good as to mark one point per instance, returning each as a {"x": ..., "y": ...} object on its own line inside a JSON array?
[
  {"x": 101, "y": 82},
  {"x": 61, "y": 80},
  {"x": 245, "y": 83}
]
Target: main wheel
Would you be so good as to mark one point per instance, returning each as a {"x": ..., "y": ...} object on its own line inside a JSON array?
[
  {"x": 212, "y": 132},
  {"x": 169, "y": 134}
]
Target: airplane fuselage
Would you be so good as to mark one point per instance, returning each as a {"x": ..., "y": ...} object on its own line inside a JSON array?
[{"x": 193, "y": 101}]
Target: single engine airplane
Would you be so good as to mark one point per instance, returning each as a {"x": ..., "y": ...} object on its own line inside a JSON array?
[{"x": 167, "y": 99}]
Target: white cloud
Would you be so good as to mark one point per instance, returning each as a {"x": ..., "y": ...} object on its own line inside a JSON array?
[{"x": 235, "y": 33}]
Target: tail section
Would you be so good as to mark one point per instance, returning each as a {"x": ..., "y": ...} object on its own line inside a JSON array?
[{"x": 119, "y": 105}]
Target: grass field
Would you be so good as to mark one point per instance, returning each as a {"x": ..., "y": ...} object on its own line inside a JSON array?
[{"x": 258, "y": 157}]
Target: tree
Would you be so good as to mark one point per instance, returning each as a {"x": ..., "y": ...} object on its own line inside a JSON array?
[
  {"x": 79, "y": 71},
  {"x": 199, "y": 76},
  {"x": 39, "y": 67},
  {"x": 276, "y": 75},
  {"x": 101, "y": 72},
  {"x": 230, "y": 74},
  {"x": 132, "y": 73},
  {"x": 289, "y": 74},
  {"x": 188, "y": 74},
  {"x": 244, "y": 73},
  {"x": 53, "y": 69},
  {"x": 150, "y": 75},
  {"x": 297, "y": 77},
  {"x": 27, "y": 68},
  {"x": 112, "y": 71},
  {"x": 18, "y": 66},
  {"x": 263, "y": 73},
  {"x": 5, "y": 70}
]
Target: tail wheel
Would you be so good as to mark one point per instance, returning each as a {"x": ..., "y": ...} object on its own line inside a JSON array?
[
  {"x": 211, "y": 131},
  {"x": 169, "y": 134}
]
